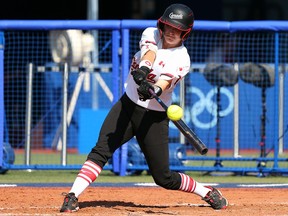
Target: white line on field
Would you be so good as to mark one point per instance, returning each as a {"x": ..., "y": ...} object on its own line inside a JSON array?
[
  {"x": 262, "y": 185},
  {"x": 8, "y": 185},
  {"x": 146, "y": 184}
]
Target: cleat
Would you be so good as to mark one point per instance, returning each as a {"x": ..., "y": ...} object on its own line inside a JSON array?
[
  {"x": 215, "y": 199},
  {"x": 70, "y": 203}
]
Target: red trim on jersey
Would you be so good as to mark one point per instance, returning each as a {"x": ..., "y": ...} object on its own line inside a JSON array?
[
  {"x": 152, "y": 42},
  {"x": 167, "y": 74},
  {"x": 146, "y": 42}
]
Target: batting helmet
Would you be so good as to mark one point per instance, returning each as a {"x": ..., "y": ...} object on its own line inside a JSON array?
[{"x": 178, "y": 16}]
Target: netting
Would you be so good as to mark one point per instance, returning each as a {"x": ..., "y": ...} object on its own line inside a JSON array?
[
  {"x": 84, "y": 91},
  {"x": 234, "y": 96}
]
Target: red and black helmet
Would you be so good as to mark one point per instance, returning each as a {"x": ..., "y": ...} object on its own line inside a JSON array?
[{"x": 178, "y": 16}]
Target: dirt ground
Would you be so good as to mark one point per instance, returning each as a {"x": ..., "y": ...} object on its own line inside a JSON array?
[{"x": 136, "y": 201}]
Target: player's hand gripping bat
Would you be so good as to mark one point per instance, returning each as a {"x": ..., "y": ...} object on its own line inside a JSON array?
[{"x": 183, "y": 127}]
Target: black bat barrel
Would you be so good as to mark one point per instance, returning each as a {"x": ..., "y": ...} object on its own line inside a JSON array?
[{"x": 191, "y": 137}]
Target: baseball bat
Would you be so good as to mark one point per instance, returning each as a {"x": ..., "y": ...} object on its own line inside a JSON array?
[{"x": 184, "y": 129}]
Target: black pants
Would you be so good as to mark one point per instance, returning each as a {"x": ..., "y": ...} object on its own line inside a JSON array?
[{"x": 126, "y": 120}]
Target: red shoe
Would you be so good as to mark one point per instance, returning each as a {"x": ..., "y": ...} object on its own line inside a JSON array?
[
  {"x": 70, "y": 203},
  {"x": 215, "y": 199}
]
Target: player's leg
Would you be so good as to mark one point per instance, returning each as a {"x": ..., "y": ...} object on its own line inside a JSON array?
[
  {"x": 115, "y": 131},
  {"x": 155, "y": 146},
  {"x": 152, "y": 136}
]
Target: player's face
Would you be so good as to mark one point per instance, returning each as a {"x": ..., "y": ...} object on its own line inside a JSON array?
[{"x": 172, "y": 37}]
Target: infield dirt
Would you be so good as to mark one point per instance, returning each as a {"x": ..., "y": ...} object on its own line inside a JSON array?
[{"x": 138, "y": 201}]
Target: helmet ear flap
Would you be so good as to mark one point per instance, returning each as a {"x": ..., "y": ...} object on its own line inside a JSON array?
[{"x": 185, "y": 34}]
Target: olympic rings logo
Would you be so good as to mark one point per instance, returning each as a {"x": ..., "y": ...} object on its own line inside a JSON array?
[{"x": 206, "y": 102}]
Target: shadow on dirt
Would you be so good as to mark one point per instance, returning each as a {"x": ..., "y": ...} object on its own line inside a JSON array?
[{"x": 109, "y": 204}]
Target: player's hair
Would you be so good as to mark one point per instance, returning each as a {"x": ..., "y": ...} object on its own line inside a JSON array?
[{"x": 178, "y": 16}]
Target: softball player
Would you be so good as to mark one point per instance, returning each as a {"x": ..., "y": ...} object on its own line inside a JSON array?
[{"x": 160, "y": 64}]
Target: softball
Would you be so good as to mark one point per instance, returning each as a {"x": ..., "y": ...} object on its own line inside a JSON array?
[{"x": 174, "y": 112}]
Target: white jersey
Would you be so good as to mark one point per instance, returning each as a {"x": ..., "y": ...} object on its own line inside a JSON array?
[{"x": 170, "y": 64}]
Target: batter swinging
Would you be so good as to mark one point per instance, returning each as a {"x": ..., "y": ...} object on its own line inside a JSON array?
[{"x": 160, "y": 64}]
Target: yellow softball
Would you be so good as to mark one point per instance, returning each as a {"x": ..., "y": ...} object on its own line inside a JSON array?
[{"x": 174, "y": 112}]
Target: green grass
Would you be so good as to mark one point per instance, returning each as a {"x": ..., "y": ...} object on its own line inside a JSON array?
[
  {"x": 51, "y": 158},
  {"x": 48, "y": 176},
  {"x": 68, "y": 176}
]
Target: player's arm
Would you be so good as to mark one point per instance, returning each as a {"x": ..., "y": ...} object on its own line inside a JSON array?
[
  {"x": 158, "y": 88},
  {"x": 145, "y": 66},
  {"x": 148, "y": 47},
  {"x": 149, "y": 56},
  {"x": 148, "y": 44},
  {"x": 163, "y": 84}
]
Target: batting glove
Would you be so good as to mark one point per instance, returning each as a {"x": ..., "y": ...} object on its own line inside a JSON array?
[
  {"x": 143, "y": 90},
  {"x": 140, "y": 74}
]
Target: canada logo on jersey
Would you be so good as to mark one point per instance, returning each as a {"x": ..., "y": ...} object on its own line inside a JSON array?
[
  {"x": 182, "y": 70},
  {"x": 134, "y": 64},
  {"x": 161, "y": 63}
]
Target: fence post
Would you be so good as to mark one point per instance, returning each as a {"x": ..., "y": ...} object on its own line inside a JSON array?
[
  {"x": 125, "y": 70},
  {"x": 64, "y": 115},
  {"x": 276, "y": 102},
  {"x": 28, "y": 114},
  {"x": 1, "y": 95}
]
